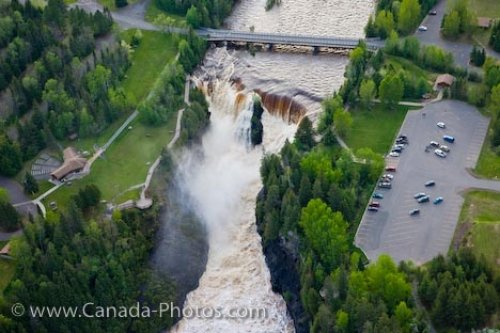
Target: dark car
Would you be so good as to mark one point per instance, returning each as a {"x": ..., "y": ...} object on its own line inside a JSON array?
[
  {"x": 449, "y": 138},
  {"x": 414, "y": 212},
  {"x": 372, "y": 209},
  {"x": 419, "y": 195},
  {"x": 438, "y": 200},
  {"x": 377, "y": 195},
  {"x": 390, "y": 169},
  {"x": 397, "y": 149},
  {"x": 374, "y": 204},
  {"x": 423, "y": 199},
  {"x": 433, "y": 13},
  {"x": 430, "y": 183}
]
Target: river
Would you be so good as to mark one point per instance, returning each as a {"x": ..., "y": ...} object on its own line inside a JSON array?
[{"x": 221, "y": 178}]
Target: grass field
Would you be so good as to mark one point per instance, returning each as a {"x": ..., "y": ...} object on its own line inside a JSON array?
[
  {"x": 488, "y": 164},
  {"x": 398, "y": 64},
  {"x": 376, "y": 128},
  {"x": 154, "y": 52},
  {"x": 153, "y": 11},
  {"x": 481, "y": 214},
  {"x": 124, "y": 164},
  {"x": 486, "y": 8}
]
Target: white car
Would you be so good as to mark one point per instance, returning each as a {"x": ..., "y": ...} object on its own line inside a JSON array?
[
  {"x": 444, "y": 148},
  {"x": 440, "y": 153},
  {"x": 388, "y": 176},
  {"x": 422, "y": 28},
  {"x": 394, "y": 154},
  {"x": 441, "y": 125}
]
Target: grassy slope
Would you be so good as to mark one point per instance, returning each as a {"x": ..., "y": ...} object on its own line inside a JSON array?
[
  {"x": 486, "y": 8},
  {"x": 488, "y": 164},
  {"x": 128, "y": 159},
  {"x": 376, "y": 128},
  {"x": 153, "y": 11},
  {"x": 481, "y": 213}
]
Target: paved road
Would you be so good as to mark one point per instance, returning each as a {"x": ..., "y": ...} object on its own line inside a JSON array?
[
  {"x": 420, "y": 238},
  {"x": 460, "y": 50}
]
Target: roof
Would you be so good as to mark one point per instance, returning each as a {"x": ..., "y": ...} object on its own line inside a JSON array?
[
  {"x": 445, "y": 79},
  {"x": 5, "y": 250},
  {"x": 72, "y": 163},
  {"x": 484, "y": 22}
]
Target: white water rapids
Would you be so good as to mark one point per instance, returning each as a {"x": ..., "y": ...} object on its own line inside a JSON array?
[{"x": 223, "y": 180}]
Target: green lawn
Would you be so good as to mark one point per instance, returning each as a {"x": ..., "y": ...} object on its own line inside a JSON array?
[
  {"x": 486, "y": 8},
  {"x": 124, "y": 164},
  {"x": 153, "y": 11},
  {"x": 376, "y": 128},
  {"x": 488, "y": 164},
  {"x": 154, "y": 52},
  {"x": 481, "y": 212}
]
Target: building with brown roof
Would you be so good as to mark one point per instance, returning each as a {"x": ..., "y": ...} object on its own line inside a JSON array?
[
  {"x": 444, "y": 81},
  {"x": 73, "y": 163}
]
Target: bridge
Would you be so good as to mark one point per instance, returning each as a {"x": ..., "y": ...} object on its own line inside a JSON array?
[{"x": 216, "y": 35}]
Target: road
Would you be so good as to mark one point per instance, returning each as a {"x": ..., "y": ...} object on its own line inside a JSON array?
[
  {"x": 460, "y": 50},
  {"x": 420, "y": 238}
]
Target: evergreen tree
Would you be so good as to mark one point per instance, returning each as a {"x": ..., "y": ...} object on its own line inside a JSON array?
[{"x": 30, "y": 184}]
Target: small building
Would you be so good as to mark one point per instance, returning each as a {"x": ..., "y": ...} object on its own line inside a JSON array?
[
  {"x": 444, "y": 81},
  {"x": 5, "y": 251},
  {"x": 73, "y": 163},
  {"x": 484, "y": 22}
]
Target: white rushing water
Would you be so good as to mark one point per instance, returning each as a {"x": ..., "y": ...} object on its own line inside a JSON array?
[
  {"x": 223, "y": 180},
  {"x": 222, "y": 176}
]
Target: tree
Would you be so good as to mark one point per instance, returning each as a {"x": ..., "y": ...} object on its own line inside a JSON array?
[
  {"x": 326, "y": 232},
  {"x": 478, "y": 56},
  {"x": 495, "y": 37},
  {"x": 343, "y": 122},
  {"x": 9, "y": 218},
  {"x": 121, "y": 3},
  {"x": 10, "y": 157},
  {"x": 409, "y": 16},
  {"x": 391, "y": 90},
  {"x": 451, "y": 25},
  {"x": 384, "y": 22},
  {"x": 30, "y": 184},
  {"x": 304, "y": 137},
  {"x": 193, "y": 17},
  {"x": 4, "y": 195},
  {"x": 136, "y": 38},
  {"x": 367, "y": 92}
]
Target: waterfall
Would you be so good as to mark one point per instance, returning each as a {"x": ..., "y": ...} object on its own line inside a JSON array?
[{"x": 222, "y": 179}]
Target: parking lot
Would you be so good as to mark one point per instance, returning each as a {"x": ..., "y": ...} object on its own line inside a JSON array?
[{"x": 421, "y": 237}]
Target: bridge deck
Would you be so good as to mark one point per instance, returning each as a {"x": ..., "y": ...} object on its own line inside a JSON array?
[{"x": 284, "y": 39}]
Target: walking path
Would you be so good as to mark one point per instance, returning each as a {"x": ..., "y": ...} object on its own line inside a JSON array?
[{"x": 144, "y": 202}]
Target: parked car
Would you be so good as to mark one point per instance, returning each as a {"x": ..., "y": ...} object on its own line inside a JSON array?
[
  {"x": 390, "y": 169},
  {"x": 433, "y": 13},
  {"x": 400, "y": 145},
  {"x": 402, "y": 136},
  {"x": 401, "y": 141},
  {"x": 422, "y": 28},
  {"x": 388, "y": 175},
  {"x": 397, "y": 149},
  {"x": 394, "y": 154},
  {"x": 438, "y": 200},
  {"x": 423, "y": 199},
  {"x": 440, "y": 153},
  {"x": 430, "y": 183},
  {"x": 372, "y": 209},
  {"x": 387, "y": 185},
  {"x": 434, "y": 144},
  {"x": 449, "y": 138},
  {"x": 374, "y": 204},
  {"x": 441, "y": 125},
  {"x": 377, "y": 195},
  {"x": 444, "y": 148},
  {"x": 414, "y": 212},
  {"x": 419, "y": 195}
]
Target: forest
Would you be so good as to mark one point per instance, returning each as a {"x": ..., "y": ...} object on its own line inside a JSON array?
[
  {"x": 308, "y": 211},
  {"x": 57, "y": 80},
  {"x": 199, "y": 12}
]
